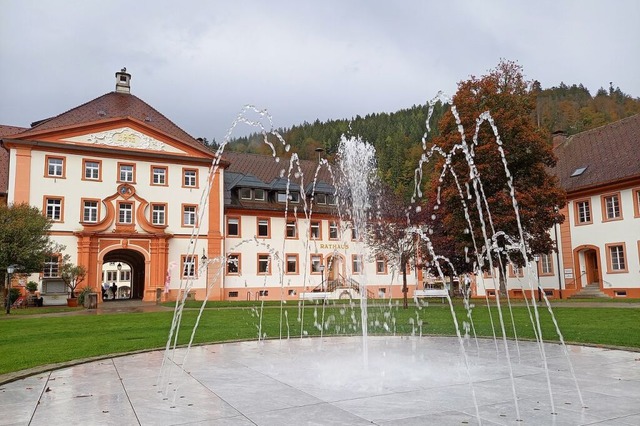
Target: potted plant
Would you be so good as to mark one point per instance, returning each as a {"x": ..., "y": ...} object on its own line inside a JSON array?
[
  {"x": 32, "y": 287},
  {"x": 72, "y": 275}
]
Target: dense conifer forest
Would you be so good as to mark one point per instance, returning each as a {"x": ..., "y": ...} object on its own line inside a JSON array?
[{"x": 397, "y": 136}]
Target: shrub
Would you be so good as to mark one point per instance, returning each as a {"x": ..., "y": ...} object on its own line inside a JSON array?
[
  {"x": 32, "y": 286},
  {"x": 83, "y": 295},
  {"x": 13, "y": 295}
]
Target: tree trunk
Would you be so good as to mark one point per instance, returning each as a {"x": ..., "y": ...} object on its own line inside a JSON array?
[
  {"x": 405, "y": 289},
  {"x": 502, "y": 277}
]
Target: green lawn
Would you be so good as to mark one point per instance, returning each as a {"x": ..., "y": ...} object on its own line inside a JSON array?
[{"x": 29, "y": 341}]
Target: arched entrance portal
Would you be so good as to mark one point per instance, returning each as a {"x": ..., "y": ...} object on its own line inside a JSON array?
[
  {"x": 126, "y": 269},
  {"x": 587, "y": 260}
]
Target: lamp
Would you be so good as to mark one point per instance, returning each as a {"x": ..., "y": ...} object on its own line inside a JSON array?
[
  {"x": 119, "y": 266},
  {"x": 206, "y": 266},
  {"x": 10, "y": 270},
  {"x": 536, "y": 258}
]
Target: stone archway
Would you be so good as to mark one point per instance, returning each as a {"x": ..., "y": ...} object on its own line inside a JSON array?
[{"x": 136, "y": 263}]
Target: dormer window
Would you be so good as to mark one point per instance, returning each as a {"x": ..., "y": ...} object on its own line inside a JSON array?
[
  {"x": 259, "y": 194},
  {"x": 332, "y": 200},
  {"x": 245, "y": 193},
  {"x": 321, "y": 198},
  {"x": 294, "y": 197}
]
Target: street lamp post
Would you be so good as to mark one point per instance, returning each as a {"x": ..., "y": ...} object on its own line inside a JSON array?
[
  {"x": 206, "y": 270},
  {"x": 555, "y": 230},
  {"x": 536, "y": 258},
  {"x": 10, "y": 270}
]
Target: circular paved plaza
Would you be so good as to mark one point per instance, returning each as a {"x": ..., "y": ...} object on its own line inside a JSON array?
[{"x": 313, "y": 381}]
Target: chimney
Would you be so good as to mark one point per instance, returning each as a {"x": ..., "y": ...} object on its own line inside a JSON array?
[
  {"x": 559, "y": 136},
  {"x": 122, "y": 81}
]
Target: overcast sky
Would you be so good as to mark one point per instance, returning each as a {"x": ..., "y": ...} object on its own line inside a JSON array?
[{"x": 200, "y": 62}]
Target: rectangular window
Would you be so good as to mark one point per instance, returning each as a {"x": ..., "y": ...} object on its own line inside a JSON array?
[
  {"x": 233, "y": 264},
  {"x": 91, "y": 169},
  {"x": 381, "y": 265},
  {"x": 159, "y": 175},
  {"x": 354, "y": 234},
  {"x": 158, "y": 214},
  {"x": 292, "y": 263},
  {"x": 233, "y": 294},
  {"x": 125, "y": 213},
  {"x": 333, "y": 231},
  {"x": 189, "y": 214},
  {"x": 233, "y": 227},
  {"x": 245, "y": 193},
  {"x": 546, "y": 264},
  {"x": 259, "y": 194},
  {"x": 90, "y": 211},
  {"x": 51, "y": 267},
  {"x": 356, "y": 264},
  {"x": 55, "y": 167},
  {"x": 332, "y": 200},
  {"x": 583, "y": 212},
  {"x": 636, "y": 202},
  {"x": 263, "y": 227},
  {"x": 126, "y": 172},
  {"x": 188, "y": 266},
  {"x": 292, "y": 229},
  {"x": 189, "y": 178},
  {"x": 611, "y": 207},
  {"x": 321, "y": 198},
  {"x": 125, "y": 275},
  {"x": 616, "y": 259},
  {"x": 264, "y": 264},
  {"x": 112, "y": 275},
  {"x": 316, "y": 262},
  {"x": 53, "y": 208},
  {"x": 315, "y": 230},
  {"x": 515, "y": 270}
]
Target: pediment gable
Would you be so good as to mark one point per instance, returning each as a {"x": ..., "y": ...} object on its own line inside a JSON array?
[
  {"x": 122, "y": 134},
  {"x": 125, "y": 137}
]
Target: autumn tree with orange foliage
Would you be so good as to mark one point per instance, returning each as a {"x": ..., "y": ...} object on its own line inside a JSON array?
[{"x": 505, "y": 94}]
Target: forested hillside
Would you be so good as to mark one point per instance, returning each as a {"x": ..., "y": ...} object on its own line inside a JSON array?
[{"x": 397, "y": 136}]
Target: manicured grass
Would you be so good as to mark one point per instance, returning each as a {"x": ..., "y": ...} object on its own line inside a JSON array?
[{"x": 29, "y": 341}]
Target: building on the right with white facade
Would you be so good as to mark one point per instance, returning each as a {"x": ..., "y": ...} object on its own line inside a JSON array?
[
  {"x": 600, "y": 171},
  {"x": 599, "y": 241}
]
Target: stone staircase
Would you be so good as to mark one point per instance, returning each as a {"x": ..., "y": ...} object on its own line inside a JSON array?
[{"x": 592, "y": 291}]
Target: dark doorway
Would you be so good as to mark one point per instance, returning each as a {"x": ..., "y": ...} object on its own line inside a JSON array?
[{"x": 127, "y": 267}]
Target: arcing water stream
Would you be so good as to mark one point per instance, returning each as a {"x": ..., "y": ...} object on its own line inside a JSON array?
[{"x": 354, "y": 182}]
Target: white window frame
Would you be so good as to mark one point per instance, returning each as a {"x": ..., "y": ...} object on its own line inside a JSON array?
[{"x": 90, "y": 211}]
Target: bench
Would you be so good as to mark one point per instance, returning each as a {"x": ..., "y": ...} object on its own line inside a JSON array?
[
  {"x": 431, "y": 292},
  {"x": 315, "y": 295}
]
